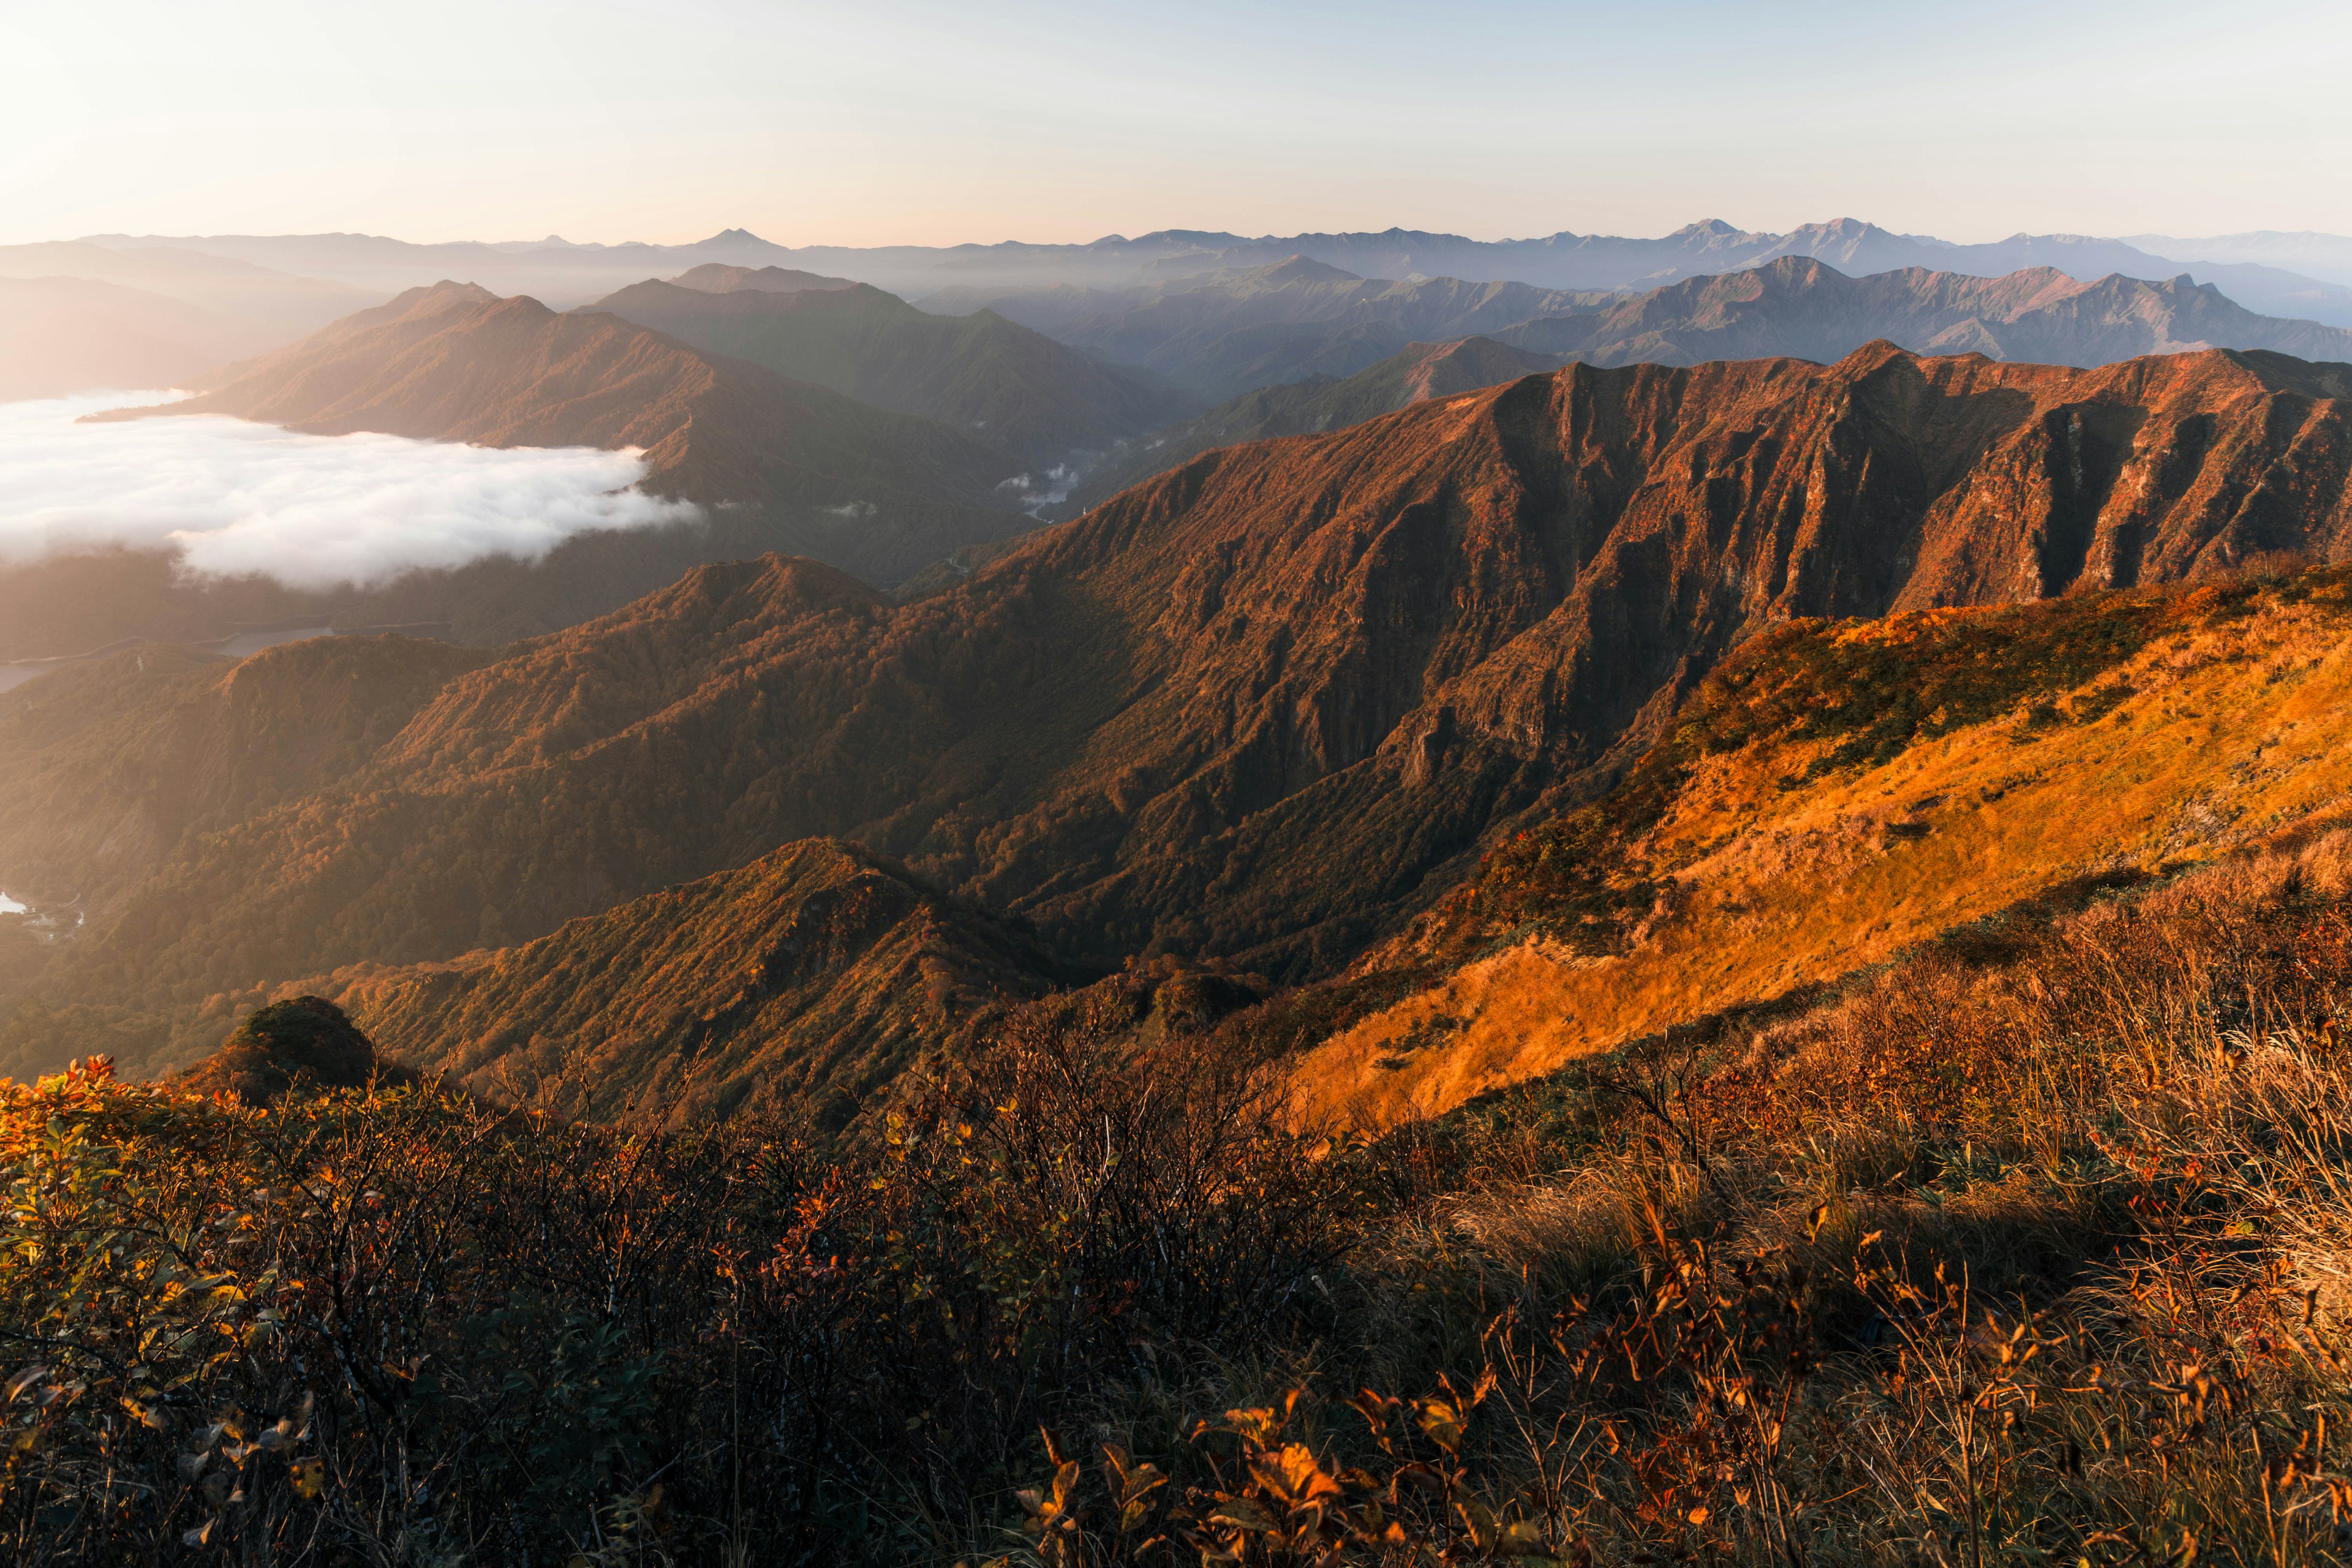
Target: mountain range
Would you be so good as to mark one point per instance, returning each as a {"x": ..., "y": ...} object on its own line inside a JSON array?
[
  {"x": 1223, "y": 334},
  {"x": 1264, "y": 708},
  {"x": 1001, "y": 381},
  {"x": 1811, "y": 311},
  {"x": 1799, "y": 309},
  {"x": 1265, "y": 326},
  {"x": 950, "y": 432},
  {"x": 871, "y": 482},
  {"x": 564, "y": 273},
  {"x": 1313, "y": 403},
  {"x": 786, "y": 463}
]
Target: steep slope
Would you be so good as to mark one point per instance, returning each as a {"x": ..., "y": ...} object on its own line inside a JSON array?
[
  {"x": 1940, "y": 771},
  {"x": 877, "y": 492},
  {"x": 1319, "y": 402},
  {"x": 803, "y": 981},
  {"x": 1811, "y": 311},
  {"x": 1224, "y": 333},
  {"x": 981, "y": 372},
  {"x": 1262, "y": 706},
  {"x": 61, "y": 335}
]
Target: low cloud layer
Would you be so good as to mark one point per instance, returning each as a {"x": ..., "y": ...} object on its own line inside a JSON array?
[{"x": 313, "y": 512}]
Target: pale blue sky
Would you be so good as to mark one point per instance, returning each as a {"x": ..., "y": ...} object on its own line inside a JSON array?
[{"x": 872, "y": 122}]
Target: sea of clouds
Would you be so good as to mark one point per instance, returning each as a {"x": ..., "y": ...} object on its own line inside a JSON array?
[{"x": 313, "y": 512}]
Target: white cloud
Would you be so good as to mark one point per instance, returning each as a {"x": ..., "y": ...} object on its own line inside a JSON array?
[{"x": 313, "y": 512}]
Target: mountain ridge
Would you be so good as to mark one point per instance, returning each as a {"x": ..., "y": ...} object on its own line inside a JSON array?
[
  {"x": 1562, "y": 260},
  {"x": 1260, "y": 708},
  {"x": 456, "y": 362},
  {"x": 989, "y": 377}
]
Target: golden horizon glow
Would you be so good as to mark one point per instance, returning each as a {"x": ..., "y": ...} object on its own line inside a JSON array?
[{"x": 825, "y": 123}]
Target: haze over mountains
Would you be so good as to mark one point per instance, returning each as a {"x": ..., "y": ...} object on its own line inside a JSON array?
[
  {"x": 1290, "y": 321},
  {"x": 566, "y": 274},
  {"x": 773, "y": 463},
  {"x": 1000, "y": 380},
  {"x": 76, "y": 316},
  {"x": 1226, "y": 332}
]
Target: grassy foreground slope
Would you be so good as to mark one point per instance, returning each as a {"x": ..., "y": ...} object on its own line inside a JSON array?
[
  {"x": 2027, "y": 1252},
  {"x": 1840, "y": 792}
]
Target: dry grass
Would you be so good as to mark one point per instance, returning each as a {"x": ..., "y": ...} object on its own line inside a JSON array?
[
  {"x": 2034, "y": 1249},
  {"x": 2031, "y": 1246},
  {"x": 1781, "y": 867}
]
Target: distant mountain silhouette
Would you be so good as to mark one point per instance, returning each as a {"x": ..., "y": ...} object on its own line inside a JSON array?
[
  {"x": 1317, "y": 403},
  {"x": 1811, "y": 310},
  {"x": 879, "y": 492},
  {"x": 2318, "y": 256},
  {"x": 1793, "y": 307},
  {"x": 1002, "y": 383},
  {"x": 282, "y": 304},
  {"x": 1224, "y": 333},
  {"x": 1275, "y": 324},
  {"x": 569, "y": 274}
]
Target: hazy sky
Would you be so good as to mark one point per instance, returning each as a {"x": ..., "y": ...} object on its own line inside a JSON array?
[{"x": 866, "y": 122}]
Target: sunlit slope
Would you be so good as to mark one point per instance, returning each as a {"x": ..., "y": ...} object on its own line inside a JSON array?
[{"x": 1841, "y": 791}]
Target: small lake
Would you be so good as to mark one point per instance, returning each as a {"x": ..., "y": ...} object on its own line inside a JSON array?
[
  {"x": 15, "y": 675},
  {"x": 9, "y": 905}
]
